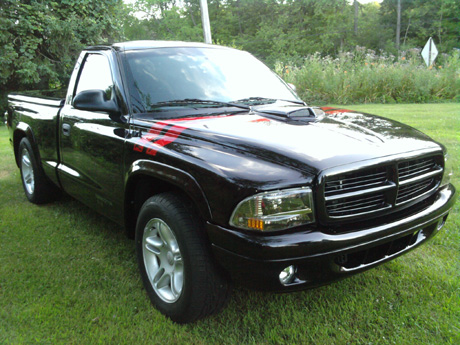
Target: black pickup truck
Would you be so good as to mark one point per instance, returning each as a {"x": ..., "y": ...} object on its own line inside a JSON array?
[{"x": 220, "y": 172}]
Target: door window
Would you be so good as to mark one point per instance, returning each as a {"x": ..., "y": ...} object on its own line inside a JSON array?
[{"x": 95, "y": 75}]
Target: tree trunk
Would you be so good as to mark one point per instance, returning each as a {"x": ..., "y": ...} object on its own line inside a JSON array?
[
  {"x": 190, "y": 10},
  {"x": 398, "y": 25},
  {"x": 355, "y": 4},
  {"x": 407, "y": 30},
  {"x": 440, "y": 28},
  {"x": 238, "y": 13},
  {"x": 342, "y": 36}
]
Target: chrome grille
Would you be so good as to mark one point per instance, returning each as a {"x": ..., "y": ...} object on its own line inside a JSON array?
[
  {"x": 417, "y": 177},
  {"x": 352, "y": 182},
  {"x": 416, "y": 167},
  {"x": 371, "y": 190},
  {"x": 346, "y": 206}
]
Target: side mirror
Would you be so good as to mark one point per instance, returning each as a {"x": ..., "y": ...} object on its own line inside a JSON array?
[{"x": 95, "y": 100}]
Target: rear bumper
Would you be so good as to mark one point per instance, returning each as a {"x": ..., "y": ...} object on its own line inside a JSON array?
[{"x": 256, "y": 260}]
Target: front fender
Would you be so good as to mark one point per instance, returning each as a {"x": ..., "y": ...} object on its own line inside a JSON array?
[{"x": 174, "y": 176}]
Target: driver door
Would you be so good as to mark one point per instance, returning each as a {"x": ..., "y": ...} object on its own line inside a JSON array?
[{"x": 91, "y": 143}]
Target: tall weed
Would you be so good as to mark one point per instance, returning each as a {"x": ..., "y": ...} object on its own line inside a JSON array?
[{"x": 362, "y": 76}]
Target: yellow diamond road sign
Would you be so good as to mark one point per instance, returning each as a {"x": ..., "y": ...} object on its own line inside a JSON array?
[{"x": 429, "y": 52}]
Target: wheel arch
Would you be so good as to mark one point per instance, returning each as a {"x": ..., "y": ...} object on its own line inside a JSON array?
[
  {"x": 23, "y": 130},
  {"x": 147, "y": 178}
]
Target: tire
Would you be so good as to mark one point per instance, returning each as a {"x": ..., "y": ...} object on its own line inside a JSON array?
[
  {"x": 37, "y": 187},
  {"x": 178, "y": 271}
]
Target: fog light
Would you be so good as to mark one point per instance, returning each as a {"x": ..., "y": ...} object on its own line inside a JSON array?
[{"x": 287, "y": 275}]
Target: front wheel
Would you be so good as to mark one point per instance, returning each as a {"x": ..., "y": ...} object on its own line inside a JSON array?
[{"x": 175, "y": 262}]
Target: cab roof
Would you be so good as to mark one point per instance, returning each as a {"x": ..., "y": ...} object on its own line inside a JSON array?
[{"x": 140, "y": 45}]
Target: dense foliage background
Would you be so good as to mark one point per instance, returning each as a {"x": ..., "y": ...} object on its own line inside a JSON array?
[
  {"x": 40, "y": 39},
  {"x": 291, "y": 29}
]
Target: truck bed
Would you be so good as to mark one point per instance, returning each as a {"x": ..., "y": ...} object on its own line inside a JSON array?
[{"x": 37, "y": 112}]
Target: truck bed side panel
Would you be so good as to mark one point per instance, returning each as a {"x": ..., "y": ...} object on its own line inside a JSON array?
[{"x": 38, "y": 119}]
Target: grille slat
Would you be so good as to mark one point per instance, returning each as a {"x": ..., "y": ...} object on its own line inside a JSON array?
[
  {"x": 370, "y": 190},
  {"x": 415, "y": 173},
  {"x": 355, "y": 183},
  {"x": 407, "y": 169},
  {"x": 350, "y": 182},
  {"x": 413, "y": 168},
  {"x": 358, "y": 178},
  {"x": 360, "y": 200},
  {"x": 414, "y": 186},
  {"x": 410, "y": 191},
  {"x": 341, "y": 184},
  {"x": 422, "y": 163},
  {"x": 362, "y": 192},
  {"x": 357, "y": 206},
  {"x": 417, "y": 177}
]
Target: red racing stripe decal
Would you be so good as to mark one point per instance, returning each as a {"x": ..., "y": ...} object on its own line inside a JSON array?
[
  {"x": 155, "y": 130},
  {"x": 153, "y": 133},
  {"x": 260, "y": 120},
  {"x": 331, "y": 110},
  {"x": 169, "y": 137},
  {"x": 148, "y": 139}
]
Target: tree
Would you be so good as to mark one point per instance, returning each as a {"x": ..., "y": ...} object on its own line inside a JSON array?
[
  {"x": 421, "y": 19},
  {"x": 164, "y": 20},
  {"x": 289, "y": 30},
  {"x": 41, "y": 39}
]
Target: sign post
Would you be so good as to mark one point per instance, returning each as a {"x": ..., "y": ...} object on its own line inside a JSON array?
[{"x": 429, "y": 52}]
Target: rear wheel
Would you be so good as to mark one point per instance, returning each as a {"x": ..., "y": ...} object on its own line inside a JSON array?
[
  {"x": 176, "y": 265},
  {"x": 37, "y": 187}
]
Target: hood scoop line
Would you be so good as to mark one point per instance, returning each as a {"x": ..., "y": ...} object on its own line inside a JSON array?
[{"x": 290, "y": 113}]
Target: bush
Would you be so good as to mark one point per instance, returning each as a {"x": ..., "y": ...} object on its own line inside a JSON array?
[{"x": 362, "y": 76}]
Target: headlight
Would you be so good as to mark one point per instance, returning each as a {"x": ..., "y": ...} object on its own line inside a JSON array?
[
  {"x": 448, "y": 170},
  {"x": 278, "y": 210}
]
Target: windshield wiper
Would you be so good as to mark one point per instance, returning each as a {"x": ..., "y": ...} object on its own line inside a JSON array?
[
  {"x": 264, "y": 100},
  {"x": 188, "y": 101}
]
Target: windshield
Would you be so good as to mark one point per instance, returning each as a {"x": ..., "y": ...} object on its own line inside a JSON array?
[{"x": 217, "y": 74}]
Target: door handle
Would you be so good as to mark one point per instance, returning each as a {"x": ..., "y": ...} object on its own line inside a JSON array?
[{"x": 66, "y": 129}]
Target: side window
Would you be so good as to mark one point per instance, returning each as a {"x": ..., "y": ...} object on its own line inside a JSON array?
[{"x": 95, "y": 75}]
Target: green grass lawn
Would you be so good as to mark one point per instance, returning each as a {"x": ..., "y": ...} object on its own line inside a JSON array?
[{"x": 69, "y": 276}]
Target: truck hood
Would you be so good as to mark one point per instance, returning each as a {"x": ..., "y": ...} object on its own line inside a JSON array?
[{"x": 339, "y": 137}]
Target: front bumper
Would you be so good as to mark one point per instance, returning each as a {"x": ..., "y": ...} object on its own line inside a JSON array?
[{"x": 256, "y": 260}]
